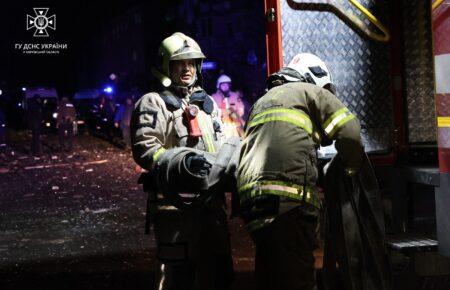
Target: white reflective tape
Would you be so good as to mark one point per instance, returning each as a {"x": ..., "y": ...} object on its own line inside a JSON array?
[
  {"x": 279, "y": 188},
  {"x": 442, "y": 72},
  {"x": 203, "y": 121},
  {"x": 335, "y": 121},
  {"x": 167, "y": 207}
]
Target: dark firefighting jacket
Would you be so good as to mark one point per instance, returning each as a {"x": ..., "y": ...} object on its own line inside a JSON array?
[{"x": 285, "y": 127}]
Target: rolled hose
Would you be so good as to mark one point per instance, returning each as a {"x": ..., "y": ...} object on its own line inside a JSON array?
[{"x": 174, "y": 179}]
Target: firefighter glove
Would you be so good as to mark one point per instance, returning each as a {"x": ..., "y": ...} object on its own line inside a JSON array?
[{"x": 197, "y": 164}]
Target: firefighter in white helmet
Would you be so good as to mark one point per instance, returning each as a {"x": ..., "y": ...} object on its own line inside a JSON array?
[
  {"x": 231, "y": 106},
  {"x": 278, "y": 169},
  {"x": 193, "y": 247}
]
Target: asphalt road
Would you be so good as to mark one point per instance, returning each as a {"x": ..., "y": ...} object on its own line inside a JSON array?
[{"x": 76, "y": 220}]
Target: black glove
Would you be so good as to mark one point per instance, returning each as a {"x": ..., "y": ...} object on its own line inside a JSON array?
[{"x": 198, "y": 165}]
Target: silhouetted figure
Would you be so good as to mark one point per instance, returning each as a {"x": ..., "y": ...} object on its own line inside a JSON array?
[
  {"x": 123, "y": 118},
  {"x": 106, "y": 110},
  {"x": 35, "y": 123},
  {"x": 65, "y": 119},
  {"x": 2, "y": 128}
]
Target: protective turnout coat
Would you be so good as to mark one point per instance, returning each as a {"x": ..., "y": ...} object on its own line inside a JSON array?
[
  {"x": 278, "y": 155},
  {"x": 232, "y": 110},
  {"x": 189, "y": 240}
]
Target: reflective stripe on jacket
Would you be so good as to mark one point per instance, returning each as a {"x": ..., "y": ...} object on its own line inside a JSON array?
[
  {"x": 286, "y": 125},
  {"x": 158, "y": 124}
]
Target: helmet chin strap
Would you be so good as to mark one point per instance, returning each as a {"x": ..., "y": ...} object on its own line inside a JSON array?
[
  {"x": 188, "y": 86},
  {"x": 185, "y": 88}
]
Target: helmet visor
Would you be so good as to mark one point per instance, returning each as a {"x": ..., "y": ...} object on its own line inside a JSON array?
[{"x": 187, "y": 53}]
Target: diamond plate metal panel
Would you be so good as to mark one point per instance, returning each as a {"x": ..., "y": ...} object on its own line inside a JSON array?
[
  {"x": 360, "y": 67},
  {"x": 419, "y": 72}
]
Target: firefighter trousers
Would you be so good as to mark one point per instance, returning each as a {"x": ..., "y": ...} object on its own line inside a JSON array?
[
  {"x": 284, "y": 250},
  {"x": 193, "y": 250}
]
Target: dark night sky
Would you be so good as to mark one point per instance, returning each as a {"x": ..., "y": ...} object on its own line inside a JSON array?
[{"x": 76, "y": 21}]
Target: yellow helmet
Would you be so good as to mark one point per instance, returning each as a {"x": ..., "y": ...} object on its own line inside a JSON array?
[{"x": 177, "y": 47}]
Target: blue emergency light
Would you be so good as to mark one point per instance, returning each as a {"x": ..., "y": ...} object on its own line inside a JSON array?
[{"x": 108, "y": 90}]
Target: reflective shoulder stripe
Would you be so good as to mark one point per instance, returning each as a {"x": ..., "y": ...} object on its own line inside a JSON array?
[
  {"x": 291, "y": 116},
  {"x": 336, "y": 121},
  {"x": 158, "y": 153},
  {"x": 206, "y": 134},
  {"x": 280, "y": 188}
]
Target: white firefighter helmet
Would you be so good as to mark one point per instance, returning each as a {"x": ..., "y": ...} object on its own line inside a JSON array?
[
  {"x": 177, "y": 47},
  {"x": 223, "y": 79},
  {"x": 312, "y": 69}
]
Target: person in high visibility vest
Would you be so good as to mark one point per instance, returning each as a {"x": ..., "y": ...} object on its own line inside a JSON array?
[
  {"x": 278, "y": 172},
  {"x": 193, "y": 246},
  {"x": 231, "y": 105}
]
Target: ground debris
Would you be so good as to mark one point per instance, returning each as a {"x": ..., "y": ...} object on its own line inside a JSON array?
[{"x": 57, "y": 210}]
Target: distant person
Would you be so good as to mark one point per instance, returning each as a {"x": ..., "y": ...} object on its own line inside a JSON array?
[
  {"x": 106, "y": 106},
  {"x": 106, "y": 110},
  {"x": 66, "y": 117},
  {"x": 34, "y": 112},
  {"x": 232, "y": 108},
  {"x": 2, "y": 128},
  {"x": 123, "y": 118}
]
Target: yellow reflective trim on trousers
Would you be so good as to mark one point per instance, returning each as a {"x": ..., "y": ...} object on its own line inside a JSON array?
[
  {"x": 283, "y": 115},
  {"x": 158, "y": 153},
  {"x": 206, "y": 136},
  {"x": 443, "y": 122}
]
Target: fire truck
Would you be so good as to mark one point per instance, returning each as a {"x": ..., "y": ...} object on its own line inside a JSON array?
[{"x": 390, "y": 61}]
